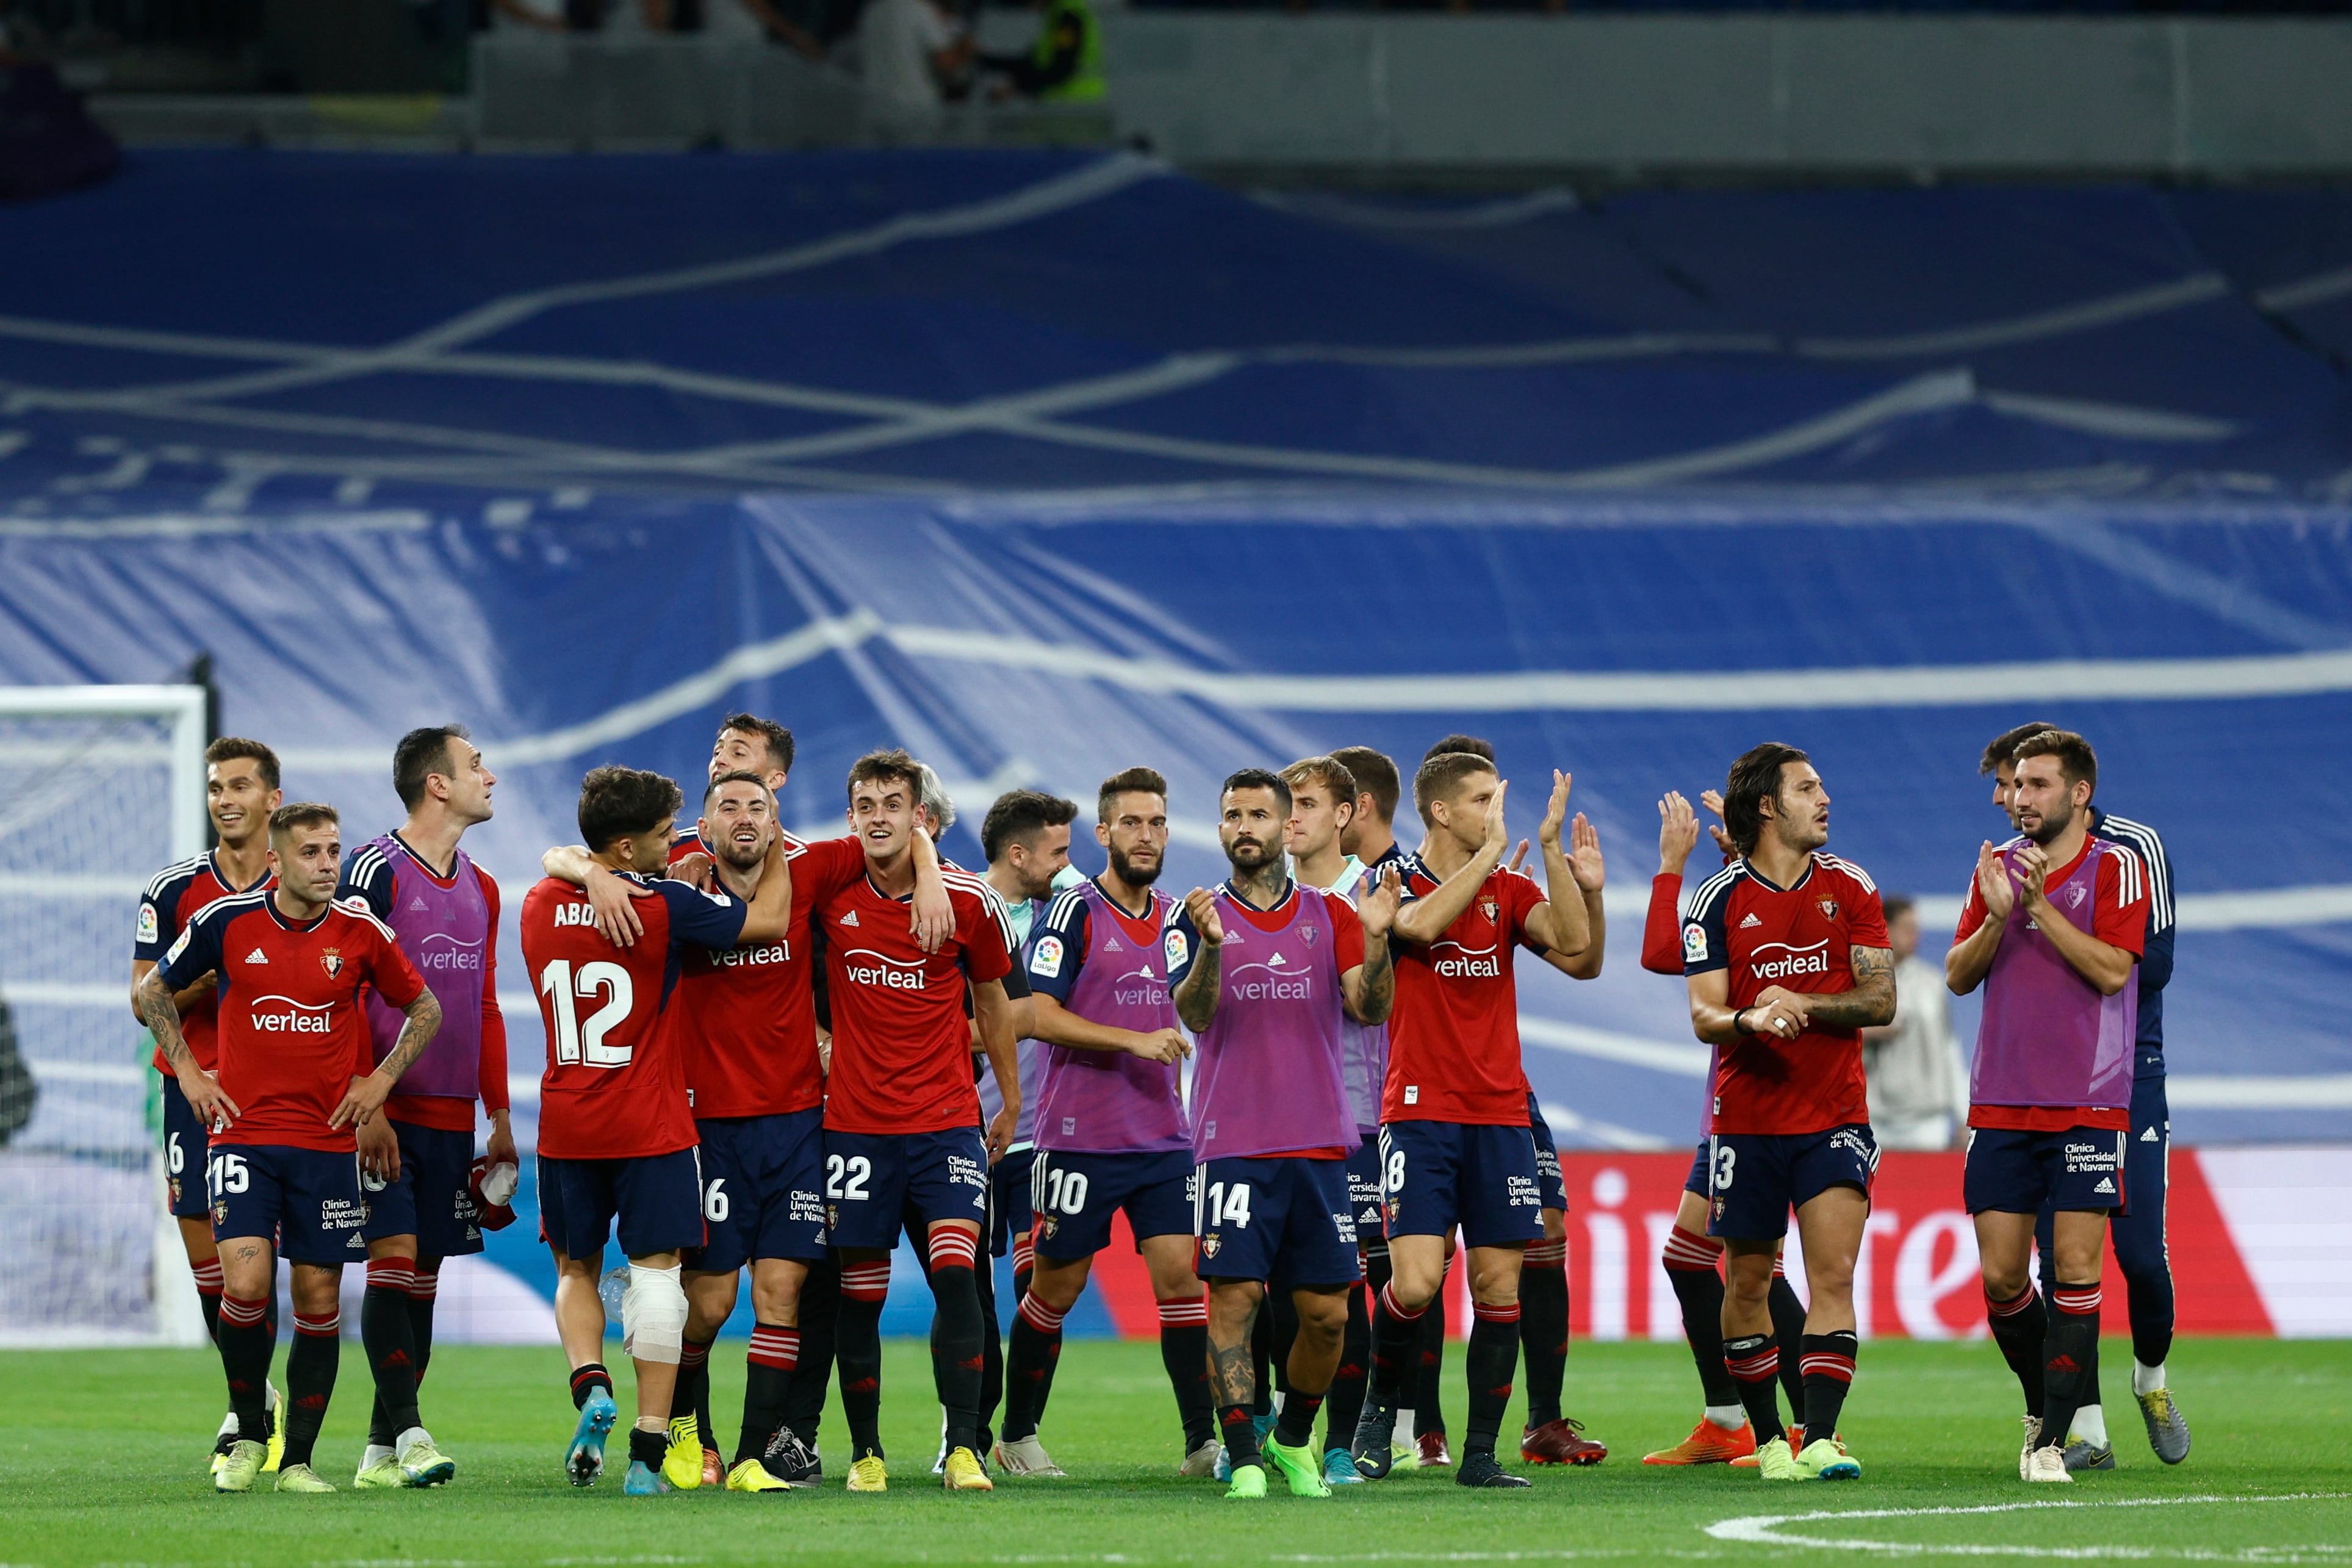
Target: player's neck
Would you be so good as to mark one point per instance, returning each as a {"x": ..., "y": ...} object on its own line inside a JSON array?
[
  {"x": 2064, "y": 848},
  {"x": 894, "y": 878},
  {"x": 296, "y": 906},
  {"x": 1322, "y": 869},
  {"x": 431, "y": 833},
  {"x": 1781, "y": 864},
  {"x": 1263, "y": 886},
  {"x": 1007, "y": 883},
  {"x": 1444, "y": 855},
  {"x": 245, "y": 863},
  {"x": 741, "y": 881},
  {"x": 1373, "y": 840},
  {"x": 1136, "y": 901}
]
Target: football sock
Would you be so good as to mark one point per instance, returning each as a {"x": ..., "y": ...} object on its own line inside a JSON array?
[
  {"x": 2019, "y": 1327},
  {"x": 1829, "y": 1371},
  {"x": 1295, "y": 1427},
  {"x": 1543, "y": 1327},
  {"x": 1731, "y": 1417},
  {"x": 422, "y": 1289},
  {"x": 2068, "y": 1357},
  {"x": 958, "y": 1348},
  {"x": 991, "y": 1347},
  {"x": 1283, "y": 1312},
  {"x": 857, "y": 1344},
  {"x": 1690, "y": 1261},
  {"x": 310, "y": 1382},
  {"x": 691, "y": 1394},
  {"x": 384, "y": 1335},
  {"x": 647, "y": 1449},
  {"x": 1037, "y": 1346},
  {"x": 1489, "y": 1363},
  {"x": 1344, "y": 1404},
  {"x": 2090, "y": 1425},
  {"x": 1754, "y": 1362},
  {"x": 586, "y": 1380},
  {"x": 1240, "y": 1437},
  {"x": 820, "y": 1312},
  {"x": 1261, "y": 1362},
  {"x": 208, "y": 1276},
  {"x": 1789, "y": 1329},
  {"x": 246, "y": 1343},
  {"x": 2148, "y": 1301},
  {"x": 1396, "y": 1344},
  {"x": 1429, "y": 1394},
  {"x": 2145, "y": 1379},
  {"x": 1184, "y": 1352},
  {"x": 767, "y": 1382}
]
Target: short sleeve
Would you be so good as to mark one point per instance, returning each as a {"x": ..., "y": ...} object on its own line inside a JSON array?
[
  {"x": 2120, "y": 916},
  {"x": 1347, "y": 934},
  {"x": 697, "y": 919},
  {"x": 1866, "y": 916},
  {"x": 1180, "y": 945},
  {"x": 1520, "y": 899},
  {"x": 980, "y": 930},
  {"x": 1706, "y": 945},
  {"x": 367, "y": 876},
  {"x": 159, "y": 913},
  {"x": 1057, "y": 949},
  {"x": 1972, "y": 913},
  {"x": 824, "y": 869},
  {"x": 395, "y": 978},
  {"x": 195, "y": 953}
]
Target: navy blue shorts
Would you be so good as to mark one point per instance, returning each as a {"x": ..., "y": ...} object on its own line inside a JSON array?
[
  {"x": 1009, "y": 1216},
  {"x": 1697, "y": 1181},
  {"x": 1439, "y": 1174},
  {"x": 1284, "y": 1220},
  {"x": 184, "y": 1142},
  {"x": 1549, "y": 1181},
  {"x": 1756, "y": 1178},
  {"x": 762, "y": 1190},
  {"x": 431, "y": 1199},
  {"x": 1075, "y": 1194},
  {"x": 872, "y": 1179},
  {"x": 656, "y": 1198},
  {"x": 2012, "y": 1172},
  {"x": 1364, "y": 1193},
  {"x": 307, "y": 1200}
]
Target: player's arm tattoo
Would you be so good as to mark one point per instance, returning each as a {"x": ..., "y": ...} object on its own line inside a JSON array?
[
  {"x": 160, "y": 1014},
  {"x": 1871, "y": 1000},
  {"x": 1196, "y": 997},
  {"x": 1232, "y": 1379},
  {"x": 1375, "y": 984},
  {"x": 424, "y": 1022}
]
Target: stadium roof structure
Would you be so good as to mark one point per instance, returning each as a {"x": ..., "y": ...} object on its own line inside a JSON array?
[{"x": 1045, "y": 465}]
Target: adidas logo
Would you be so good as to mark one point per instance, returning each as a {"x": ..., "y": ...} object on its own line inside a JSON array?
[
  {"x": 1751, "y": 921},
  {"x": 2106, "y": 1185},
  {"x": 1110, "y": 944},
  {"x": 850, "y": 919},
  {"x": 356, "y": 1241},
  {"x": 2149, "y": 1136},
  {"x": 416, "y": 903},
  {"x": 2062, "y": 1363},
  {"x": 256, "y": 956}
]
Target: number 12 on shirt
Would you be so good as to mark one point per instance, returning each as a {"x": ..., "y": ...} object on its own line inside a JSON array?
[{"x": 578, "y": 1043}]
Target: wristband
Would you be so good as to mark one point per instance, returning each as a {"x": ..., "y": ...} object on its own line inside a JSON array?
[{"x": 1738, "y": 1026}]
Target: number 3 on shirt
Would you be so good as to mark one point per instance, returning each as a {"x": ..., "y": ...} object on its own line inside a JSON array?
[{"x": 578, "y": 1043}]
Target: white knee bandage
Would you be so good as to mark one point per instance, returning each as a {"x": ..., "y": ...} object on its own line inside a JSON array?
[{"x": 653, "y": 1314}]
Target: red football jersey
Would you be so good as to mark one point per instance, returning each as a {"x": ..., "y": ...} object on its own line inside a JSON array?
[
  {"x": 901, "y": 1044},
  {"x": 170, "y": 901},
  {"x": 1453, "y": 1039},
  {"x": 292, "y": 1035},
  {"x": 614, "y": 1087},
  {"x": 745, "y": 1019},
  {"x": 1799, "y": 939}
]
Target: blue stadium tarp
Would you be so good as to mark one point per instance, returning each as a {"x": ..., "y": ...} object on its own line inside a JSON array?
[{"x": 1045, "y": 465}]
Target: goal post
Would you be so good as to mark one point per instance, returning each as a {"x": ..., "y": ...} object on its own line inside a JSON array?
[{"x": 100, "y": 787}]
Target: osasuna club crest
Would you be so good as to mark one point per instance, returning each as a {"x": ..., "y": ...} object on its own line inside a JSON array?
[
  {"x": 1488, "y": 908},
  {"x": 1307, "y": 934},
  {"x": 333, "y": 960},
  {"x": 1829, "y": 907},
  {"x": 1210, "y": 1243}
]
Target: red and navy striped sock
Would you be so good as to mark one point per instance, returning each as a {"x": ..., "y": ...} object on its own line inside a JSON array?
[
  {"x": 1754, "y": 1362},
  {"x": 1828, "y": 1373},
  {"x": 1543, "y": 1327},
  {"x": 1692, "y": 1263},
  {"x": 586, "y": 1380},
  {"x": 386, "y": 1335},
  {"x": 768, "y": 1369},
  {"x": 1489, "y": 1361},
  {"x": 310, "y": 1381},
  {"x": 1029, "y": 1365},
  {"x": 246, "y": 1343},
  {"x": 2070, "y": 1357},
  {"x": 1396, "y": 1344},
  {"x": 2020, "y": 1325},
  {"x": 1184, "y": 1354}
]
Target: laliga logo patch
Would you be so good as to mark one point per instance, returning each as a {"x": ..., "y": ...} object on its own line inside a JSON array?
[
  {"x": 1047, "y": 960},
  {"x": 1173, "y": 945},
  {"x": 1693, "y": 941},
  {"x": 147, "y": 922},
  {"x": 333, "y": 960}
]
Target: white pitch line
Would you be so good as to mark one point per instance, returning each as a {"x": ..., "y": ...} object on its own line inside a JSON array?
[{"x": 1763, "y": 1530}]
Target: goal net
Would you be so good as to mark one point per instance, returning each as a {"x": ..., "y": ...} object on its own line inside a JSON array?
[{"x": 100, "y": 787}]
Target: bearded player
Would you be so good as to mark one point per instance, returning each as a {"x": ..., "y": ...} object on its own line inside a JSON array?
[
  {"x": 1264, "y": 972},
  {"x": 1785, "y": 958}
]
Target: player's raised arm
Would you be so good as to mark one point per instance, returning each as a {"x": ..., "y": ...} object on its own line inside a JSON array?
[
  {"x": 2107, "y": 967},
  {"x": 932, "y": 914},
  {"x": 1196, "y": 936},
  {"x": 1592, "y": 872},
  {"x": 1368, "y": 990},
  {"x": 1560, "y": 922},
  {"x": 1991, "y": 895},
  {"x": 1424, "y": 920},
  {"x": 608, "y": 895},
  {"x": 769, "y": 914}
]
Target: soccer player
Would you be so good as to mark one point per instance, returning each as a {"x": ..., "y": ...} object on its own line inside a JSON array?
[
  {"x": 1263, "y": 972},
  {"x": 2137, "y": 1231},
  {"x": 240, "y": 791},
  {"x": 1691, "y": 1258},
  {"x": 283, "y": 1166},
  {"x": 1026, "y": 837},
  {"x": 2052, "y": 928},
  {"x": 1786, "y": 959},
  {"x": 1456, "y": 1146},
  {"x": 1111, "y": 1133},
  {"x": 616, "y": 1134},
  {"x": 901, "y": 1120},
  {"x": 417, "y": 1160}
]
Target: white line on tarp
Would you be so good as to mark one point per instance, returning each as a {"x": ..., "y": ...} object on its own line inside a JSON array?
[{"x": 1764, "y": 1529}]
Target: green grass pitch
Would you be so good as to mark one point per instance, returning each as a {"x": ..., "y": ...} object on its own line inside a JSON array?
[{"x": 103, "y": 1462}]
